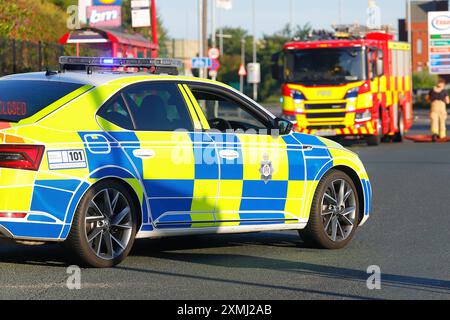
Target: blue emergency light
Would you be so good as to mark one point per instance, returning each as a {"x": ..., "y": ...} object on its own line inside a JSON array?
[{"x": 154, "y": 65}]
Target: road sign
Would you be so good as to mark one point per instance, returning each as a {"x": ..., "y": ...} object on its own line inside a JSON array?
[
  {"x": 215, "y": 65},
  {"x": 439, "y": 44},
  {"x": 254, "y": 73},
  {"x": 224, "y": 4},
  {"x": 214, "y": 53},
  {"x": 242, "y": 72},
  {"x": 201, "y": 63},
  {"x": 140, "y": 4},
  {"x": 140, "y": 18}
]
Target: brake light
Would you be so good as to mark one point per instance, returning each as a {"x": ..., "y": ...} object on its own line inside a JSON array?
[
  {"x": 365, "y": 88},
  {"x": 25, "y": 157}
]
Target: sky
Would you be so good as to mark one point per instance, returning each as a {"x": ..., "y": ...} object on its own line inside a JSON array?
[{"x": 180, "y": 16}]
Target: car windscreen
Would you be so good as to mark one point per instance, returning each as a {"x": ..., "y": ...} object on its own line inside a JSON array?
[
  {"x": 325, "y": 66},
  {"x": 20, "y": 99}
]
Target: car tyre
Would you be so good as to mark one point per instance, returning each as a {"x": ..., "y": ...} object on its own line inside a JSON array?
[
  {"x": 104, "y": 226},
  {"x": 398, "y": 137},
  {"x": 376, "y": 139},
  {"x": 334, "y": 214}
]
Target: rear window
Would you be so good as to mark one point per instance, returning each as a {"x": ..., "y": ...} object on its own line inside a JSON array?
[{"x": 20, "y": 99}]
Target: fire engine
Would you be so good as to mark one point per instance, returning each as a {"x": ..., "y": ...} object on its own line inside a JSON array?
[{"x": 355, "y": 87}]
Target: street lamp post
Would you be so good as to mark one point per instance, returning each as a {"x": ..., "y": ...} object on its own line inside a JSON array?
[
  {"x": 242, "y": 63},
  {"x": 409, "y": 21},
  {"x": 255, "y": 86}
]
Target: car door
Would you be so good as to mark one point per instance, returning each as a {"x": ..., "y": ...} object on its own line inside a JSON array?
[
  {"x": 262, "y": 175},
  {"x": 166, "y": 148}
]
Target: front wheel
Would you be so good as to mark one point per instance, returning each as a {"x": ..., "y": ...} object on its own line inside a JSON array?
[
  {"x": 334, "y": 213},
  {"x": 376, "y": 139},
  {"x": 104, "y": 226}
]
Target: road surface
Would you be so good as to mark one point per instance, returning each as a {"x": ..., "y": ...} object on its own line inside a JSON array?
[{"x": 407, "y": 237}]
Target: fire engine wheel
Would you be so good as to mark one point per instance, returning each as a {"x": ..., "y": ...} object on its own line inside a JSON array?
[
  {"x": 398, "y": 137},
  {"x": 376, "y": 139}
]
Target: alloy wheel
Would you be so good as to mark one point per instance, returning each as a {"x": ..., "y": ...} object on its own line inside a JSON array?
[
  {"x": 338, "y": 210},
  {"x": 108, "y": 224}
]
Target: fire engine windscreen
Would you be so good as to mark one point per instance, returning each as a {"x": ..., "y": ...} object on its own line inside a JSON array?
[{"x": 325, "y": 66}]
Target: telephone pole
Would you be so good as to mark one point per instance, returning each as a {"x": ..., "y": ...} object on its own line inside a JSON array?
[
  {"x": 205, "y": 33},
  {"x": 200, "y": 34}
]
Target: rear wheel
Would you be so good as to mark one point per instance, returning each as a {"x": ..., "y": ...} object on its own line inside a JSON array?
[
  {"x": 104, "y": 226},
  {"x": 398, "y": 137},
  {"x": 334, "y": 213}
]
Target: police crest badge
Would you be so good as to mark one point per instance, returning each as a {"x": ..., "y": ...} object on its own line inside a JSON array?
[{"x": 266, "y": 169}]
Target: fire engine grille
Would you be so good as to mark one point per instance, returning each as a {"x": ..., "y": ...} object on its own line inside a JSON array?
[
  {"x": 325, "y": 115},
  {"x": 326, "y": 106}
]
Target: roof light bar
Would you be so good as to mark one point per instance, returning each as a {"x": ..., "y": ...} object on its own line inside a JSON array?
[{"x": 156, "y": 65}]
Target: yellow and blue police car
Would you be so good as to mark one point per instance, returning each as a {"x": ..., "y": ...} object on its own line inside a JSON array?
[{"x": 97, "y": 158}]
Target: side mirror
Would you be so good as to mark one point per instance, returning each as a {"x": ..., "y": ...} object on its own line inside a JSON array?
[
  {"x": 380, "y": 63},
  {"x": 285, "y": 126},
  {"x": 380, "y": 67}
]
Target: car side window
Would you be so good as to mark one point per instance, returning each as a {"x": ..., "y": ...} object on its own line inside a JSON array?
[
  {"x": 116, "y": 112},
  {"x": 224, "y": 113},
  {"x": 158, "y": 107}
]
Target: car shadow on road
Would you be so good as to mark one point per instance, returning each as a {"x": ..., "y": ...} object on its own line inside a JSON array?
[
  {"x": 173, "y": 251},
  {"x": 179, "y": 250}
]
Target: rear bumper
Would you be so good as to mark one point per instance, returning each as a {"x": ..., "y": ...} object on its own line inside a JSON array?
[{"x": 37, "y": 209}]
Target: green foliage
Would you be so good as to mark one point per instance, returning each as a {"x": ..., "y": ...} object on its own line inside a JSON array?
[
  {"x": 424, "y": 80},
  {"x": 32, "y": 20}
]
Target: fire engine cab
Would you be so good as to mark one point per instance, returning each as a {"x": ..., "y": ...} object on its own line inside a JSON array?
[{"x": 356, "y": 87}]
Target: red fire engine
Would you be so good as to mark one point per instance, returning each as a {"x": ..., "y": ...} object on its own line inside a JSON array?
[{"x": 355, "y": 87}]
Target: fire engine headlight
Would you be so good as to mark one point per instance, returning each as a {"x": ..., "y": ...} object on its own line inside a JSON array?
[
  {"x": 352, "y": 93},
  {"x": 297, "y": 96},
  {"x": 364, "y": 115}
]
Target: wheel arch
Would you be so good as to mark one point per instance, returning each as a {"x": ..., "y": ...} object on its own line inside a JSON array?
[
  {"x": 119, "y": 180},
  {"x": 133, "y": 194},
  {"x": 358, "y": 184}
]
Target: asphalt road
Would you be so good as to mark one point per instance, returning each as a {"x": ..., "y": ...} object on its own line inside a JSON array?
[{"x": 407, "y": 237}]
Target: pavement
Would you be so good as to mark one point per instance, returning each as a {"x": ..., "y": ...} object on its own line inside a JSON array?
[{"x": 407, "y": 237}]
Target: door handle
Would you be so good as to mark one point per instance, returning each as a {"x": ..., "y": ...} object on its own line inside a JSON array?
[
  {"x": 144, "y": 153},
  {"x": 229, "y": 154},
  {"x": 308, "y": 148}
]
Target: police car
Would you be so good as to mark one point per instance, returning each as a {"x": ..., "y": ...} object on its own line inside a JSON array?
[{"x": 96, "y": 156}]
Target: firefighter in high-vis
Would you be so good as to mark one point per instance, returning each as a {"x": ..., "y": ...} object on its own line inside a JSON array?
[{"x": 439, "y": 99}]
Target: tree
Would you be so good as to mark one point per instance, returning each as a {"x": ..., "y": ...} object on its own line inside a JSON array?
[{"x": 31, "y": 20}]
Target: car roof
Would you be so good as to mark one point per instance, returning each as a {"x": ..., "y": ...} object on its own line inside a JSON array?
[
  {"x": 81, "y": 77},
  {"x": 99, "y": 78}
]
